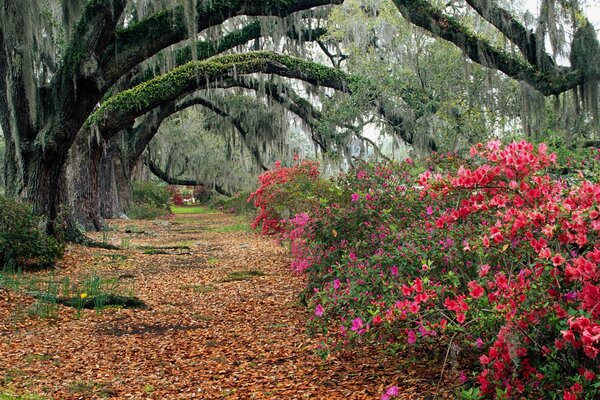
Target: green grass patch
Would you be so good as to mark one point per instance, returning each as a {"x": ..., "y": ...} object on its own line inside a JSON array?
[
  {"x": 212, "y": 261},
  {"x": 88, "y": 389},
  {"x": 243, "y": 275},
  {"x": 240, "y": 226},
  {"x": 198, "y": 288},
  {"x": 31, "y": 358},
  {"x": 9, "y": 396},
  {"x": 190, "y": 210}
]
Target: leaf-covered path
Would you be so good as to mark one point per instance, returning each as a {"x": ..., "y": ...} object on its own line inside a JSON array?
[{"x": 223, "y": 322}]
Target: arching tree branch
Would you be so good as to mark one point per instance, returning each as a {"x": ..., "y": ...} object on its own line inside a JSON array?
[
  {"x": 144, "y": 39},
  {"x": 162, "y": 175},
  {"x": 120, "y": 110},
  {"x": 545, "y": 76}
]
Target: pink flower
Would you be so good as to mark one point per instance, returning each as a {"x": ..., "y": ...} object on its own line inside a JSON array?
[
  {"x": 557, "y": 260},
  {"x": 394, "y": 270},
  {"x": 411, "y": 337},
  {"x": 352, "y": 256},
  {"x": 476, "y": 290},
  {"x": 336, "y": 284},
  {"x": 392, "y": 391},
  {"x": 429, "y": 210},
  {"x": 319, "y": 310},
  {"x": 355, "y": 197},
  {"x": 357, "y": 324}
]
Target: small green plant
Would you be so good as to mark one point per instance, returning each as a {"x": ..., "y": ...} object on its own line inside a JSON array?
[
  {"x": 212, "y": 261},
  {"x": 148, "y": 389},
  {"x": 125, "y": 243}
]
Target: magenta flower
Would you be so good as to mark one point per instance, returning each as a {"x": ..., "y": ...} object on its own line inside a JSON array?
[
  {"x": 352, "y": 256},
  {"x": 319, "y": 310},
  {"x": 392, "y": 391},
  {"x": 479, "y": 343},
  {"x": 394, "y": 270},
  {"x": 357, "y": 324},
  {"x": 429, "y": 210},
  {"x": 412, "y": 337},
  {"x": 337, "y": 284},
  {"x": 355, "y": 197}
]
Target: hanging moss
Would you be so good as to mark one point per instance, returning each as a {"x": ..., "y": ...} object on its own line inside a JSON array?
[{"x": 171, "y": 21}]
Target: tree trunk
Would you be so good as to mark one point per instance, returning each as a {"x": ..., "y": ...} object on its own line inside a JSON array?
[
  {"x": 82, "y": 179},
  {"x": 115, "y": 192}
]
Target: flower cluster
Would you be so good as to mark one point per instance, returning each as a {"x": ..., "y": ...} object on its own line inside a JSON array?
[{"x": 492, "y": 250}]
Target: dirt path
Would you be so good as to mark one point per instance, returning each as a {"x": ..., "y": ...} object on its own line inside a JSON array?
[{"x": 206, "y": 335}]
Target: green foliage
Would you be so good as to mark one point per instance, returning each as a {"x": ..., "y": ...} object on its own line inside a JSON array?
[
  {"x": 237, "y": 204},
  {"x": 150, "y": 200},
  {"x": 23, "y": 244},
  {"x": 150, "y": 193}
]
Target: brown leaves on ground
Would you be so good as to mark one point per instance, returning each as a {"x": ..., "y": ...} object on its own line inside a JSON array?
[{"x": 204, "y": 336}]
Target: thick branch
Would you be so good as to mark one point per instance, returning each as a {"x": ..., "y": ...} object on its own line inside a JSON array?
[
  {"x": 524, "y": 39},
  {"x": 423, "y": 14},
  {"x": 209, "y": 48},
  {"x": 120, "y": 110},
  {"x": 144, "y": 39},
  {"x": 156, "y": 170},
  {"x": 79, "y": 74}
]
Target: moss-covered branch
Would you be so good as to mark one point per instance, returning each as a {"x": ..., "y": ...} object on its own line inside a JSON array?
[
  {"x": 547, "y": 82},
  {"x": 209, "y": 48},
  {"x": 144, "y": 39},
  {"x": 121, "y": 109}
]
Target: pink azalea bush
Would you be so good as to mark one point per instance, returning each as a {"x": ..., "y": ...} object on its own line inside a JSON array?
[
  {"x": 285, "y": 190},
  {"x": 493, "y": 251}
]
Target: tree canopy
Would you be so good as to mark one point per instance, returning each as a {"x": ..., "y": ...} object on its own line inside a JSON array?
[{"x": 86, "y": 84}]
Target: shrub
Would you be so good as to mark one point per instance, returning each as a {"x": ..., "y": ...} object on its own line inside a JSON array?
[
  {"x": 236, "y": 204},
  {"x": 23, "y": 244},
  {"x": 286, "y": 191},
  {"x": 146, "y": 211},
  {"x": 150, "y": 200},
  {"x": 491, "y": 252},
  {"x": 150, "y": 193}
]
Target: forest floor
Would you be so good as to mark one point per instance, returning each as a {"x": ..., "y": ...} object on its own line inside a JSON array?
[{"x": 215, "y": 328}]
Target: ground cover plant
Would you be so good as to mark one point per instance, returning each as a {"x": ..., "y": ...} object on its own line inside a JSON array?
[{"x": 491, "y": 255}]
